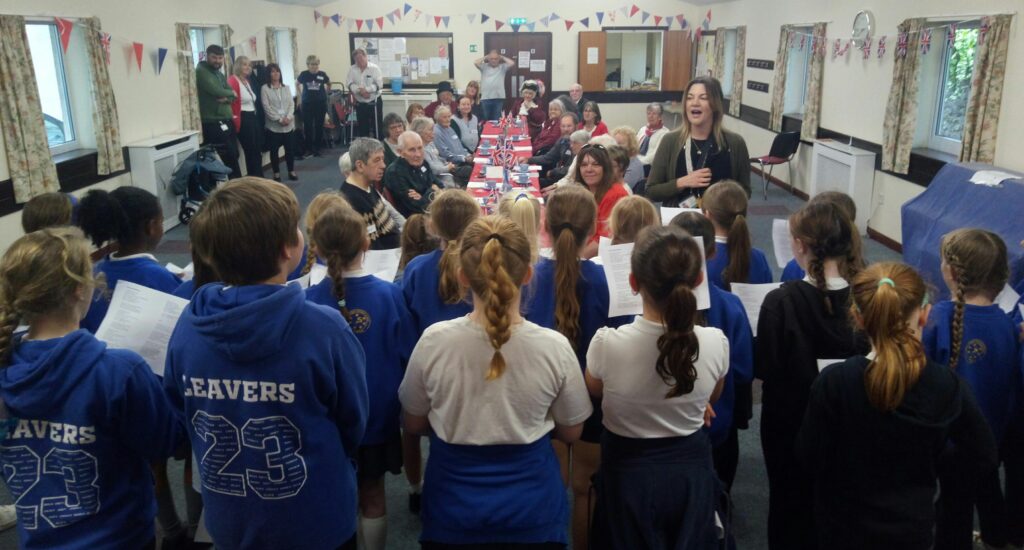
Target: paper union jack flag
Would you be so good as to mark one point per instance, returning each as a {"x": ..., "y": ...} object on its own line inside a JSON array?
[
  {"x": 835, "y": 48},
  {"x": 881, "y": 47},
  {"x": 985, "y": 25},
  {"x": 105, "y": 42},
  {"x": 926, "y": 41},
  {"x": 866, "y": 50},
  {"x": 951, "y": 36},
  {"x": 901, "y": 44}
]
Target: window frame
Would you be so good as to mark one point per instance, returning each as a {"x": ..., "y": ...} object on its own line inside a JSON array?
[
  {"x": 60, "y": 67},
  {"x": 933, "y": 139},
  {"x": 807, "y": 32},
  {"x": 660, "y": 56},
  {"x": 199, "y": 51},
  {"x": 283, "y": 36},
  {"x": 731, "y": 37}
]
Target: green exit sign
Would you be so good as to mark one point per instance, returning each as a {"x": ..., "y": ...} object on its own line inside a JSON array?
[
  {"x": 517, "y": 21},
  {"x": 472, "y": 48}
]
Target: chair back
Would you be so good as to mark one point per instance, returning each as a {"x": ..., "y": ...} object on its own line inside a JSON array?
[{"x": 785, "y": 145}]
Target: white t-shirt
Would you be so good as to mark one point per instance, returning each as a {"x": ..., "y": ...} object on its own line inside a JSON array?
[
  {"x": 369, "y": 78},
  {"x": 634, "y": 403},
  {"x": 492, "y": 81},
  {"x": 542, "y": 384}
]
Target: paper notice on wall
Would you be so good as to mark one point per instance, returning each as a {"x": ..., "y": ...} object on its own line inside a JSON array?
[
  {"x": 592, "y": 55},
  {"x": 391, "y": 69},
  {"x": 669, "y": 212},
  {"x": 413, "y": 75},
  {"x": 141, "y": 319},
  {"x": 538, "y": 65},
  {"x": 375, "y": 59},
  {"x": 382, "y": 263},
  {"x": 1007, "y": 299},
  {"x": 524, "y": 59},
  {"x": 399, "y": 46},
  {"x": 782, "y": 242},
  {"x": 752, "y": 296},
  {"x": 435, "y": 65},
  {"x": 386, "y": 49}
]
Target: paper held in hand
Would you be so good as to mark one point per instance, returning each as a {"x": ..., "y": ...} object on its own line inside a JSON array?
[
  {"x": 1007, "y": 299},
  {"x": 782, "y": 242},
  {"x": 621, "y": 300},
  {"x": 382, "y": 263},
  {"x": 141, "y": 319},
  {"x": 669, "y": 212},
  {"x": 752, "y": 296}
]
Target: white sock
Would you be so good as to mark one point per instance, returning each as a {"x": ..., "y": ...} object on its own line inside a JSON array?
[
  {"x": 416, "y": 489},
  {"x": 373, "y": 532}
]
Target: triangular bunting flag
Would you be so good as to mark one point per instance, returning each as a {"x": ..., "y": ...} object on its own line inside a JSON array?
[
  {"x": 698, "y": 34},
  {"x": 554, "y": 17},
  {"x": 515, "y": 28},
  {"x": 624, "y": 10},
  {"x": 568, "y": 24},
  {"x": 137, "y": 46},
  {"x": 611, "y": 16},
  {"x": 646, "y": 16},
  {"x": 397, "y": 13},
  {"x": 531, "y": 26},
  {"x": 380, "y": 22},
  {"x": 349, "y": 23},
  {"x": 64, "y": 26},
  {"x": 407, "y": 8},
  {"x": 483, "y": 18},
  {"x": 316, "y": 16},
  {"x": 337, "y": 19},
  {"x": 633, "y": 10},
  {"x": 231, "y": 50},
  {"x": 325, "y": 21},
  {"x": 600, "y": 17},
  {"x": 544, "y": 21},
  {"x": 668, "y": 21},
  {"x": 585, "y": 22},
  {"x": 437, "y": 20},
  {"x": 161, "y": 54},
  {"x": 369, "y": 24},
  {"x": 105, "y": 43},
  {"x": 498, "y": 25},
  {"x": 391, "y": 18},
  {"x": 359, "y": 24},
  {"x": 416, "y": 16},
  {"x": 682, "y": 21},
  {"x": 472, "y": 18},
  {"x": 657, "y": 20},
  {"x": 426, "y": 19},
  {"x": 446, "y": 19}
]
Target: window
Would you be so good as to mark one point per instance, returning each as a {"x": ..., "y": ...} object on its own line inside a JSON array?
[
  {"x": 285, "y": 58},
  {"x": 729, "y": 35},
  {"x": 705, "y": 55},
  {"x": 798, "y": 70},
  {"x": 950, "y": 74},
  {"x": 633, "y": 60},
  {"x": 202, "y": 36},
  {"x": 48, "y": 64}
]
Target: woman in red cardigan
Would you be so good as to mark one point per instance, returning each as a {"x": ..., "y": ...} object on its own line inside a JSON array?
[
  {"x": 592, "y": 120},
  {"x": 549, "y": 131},
  {"x": 243, "y": 114},
  {"x": 527, "y": 106}
]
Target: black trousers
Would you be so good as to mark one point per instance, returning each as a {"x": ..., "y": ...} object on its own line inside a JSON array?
[
  {"x": 790, "y": 488},
  {"x": 727, "y": 458},
  {"x": 368, "y": 117},
  {"x": 222, "y": 135},
  {"x": 275, "y": 141},
  {"x": 313, "y": 125},
  {"x": 248, "y": 137}
]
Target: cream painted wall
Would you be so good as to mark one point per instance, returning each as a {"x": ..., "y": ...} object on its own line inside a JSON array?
[{"x": 149, "y": 104}]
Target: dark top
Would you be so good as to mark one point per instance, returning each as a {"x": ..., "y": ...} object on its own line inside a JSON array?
[
  {"x": 875, "y": 471},
  {"x": 400, "y": 178},
  {"x": 383, "y": 231},
  {"x": 704, "y": 153},
  {"x": 661, "y": 183},
  {"x": 389, "y": 154},
  {"x": 314, "y": 86},
  {"x": 793, "y": 331},
  {"x": 552, "y": 157}
]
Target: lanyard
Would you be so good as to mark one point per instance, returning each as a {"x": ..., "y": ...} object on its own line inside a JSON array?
[{"x": 704, "y": 155}]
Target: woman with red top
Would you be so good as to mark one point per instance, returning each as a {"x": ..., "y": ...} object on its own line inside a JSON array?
[
  {"x": 550, "y": 131},
  {"x": 526, "y": 106},
  {"x": 594, "y": 169},
  {"x": 592, "y": 120},
  {"x": 243, "y": 114}
]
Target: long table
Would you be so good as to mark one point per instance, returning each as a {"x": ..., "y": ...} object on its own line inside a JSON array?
[{"x": 487, "y": 179}]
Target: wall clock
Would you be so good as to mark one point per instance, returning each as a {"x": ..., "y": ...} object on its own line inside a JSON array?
[{"x": 863, "y": 28}]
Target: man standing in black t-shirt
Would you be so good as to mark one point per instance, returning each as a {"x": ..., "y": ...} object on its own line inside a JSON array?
[
  {"x": 313, "y": 87},
  {"x": 367, "y": 156}
]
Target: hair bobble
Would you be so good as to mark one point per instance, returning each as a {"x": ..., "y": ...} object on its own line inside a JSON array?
[
  {"x": 496, "y": 237},
  {"x": 341, "y": 304},
  {"x": 562, "y": 226},
  {"x": 886, "y": 281},
  {"x": 521, "y": 196}
]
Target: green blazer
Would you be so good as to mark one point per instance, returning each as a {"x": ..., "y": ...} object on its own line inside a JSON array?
[{"x": 661, "y": 183}]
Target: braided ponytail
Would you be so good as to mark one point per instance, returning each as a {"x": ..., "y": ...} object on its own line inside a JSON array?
[
  {"x": 8, "y": 323},
  {"x": 340, "y": 236},
  {"x": 826, "y": 230},
  {"x": 317, "y": 206}
]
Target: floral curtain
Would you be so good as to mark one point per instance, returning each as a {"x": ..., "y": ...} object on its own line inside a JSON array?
[
  {"x": 295, "y": 52},
  {"x": 187, "y": 80},
  {"x": 737, "y": 71},
  {"x": 779, "y": 83},
  {"x": 718, "y": 69},
  {"x": 981, "y": 123},
  {"x": 901, "y": 111},
  {"x": 271, "y": 45},
  {"x": 109, "y": 157},
  {"x": 812, "y": 99},
  {"x": 28, "y": 151},
  {"x": 225, "y": 33}
]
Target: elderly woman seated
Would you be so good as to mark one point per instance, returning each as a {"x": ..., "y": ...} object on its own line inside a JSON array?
[{"x": 448, "y": 172}]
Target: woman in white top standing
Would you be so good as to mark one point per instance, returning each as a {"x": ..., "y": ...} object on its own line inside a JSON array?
[
  {"x": 243, "y": 113},
  {"x": 491, "y": 389},
  {"x": 279, "y": 115},
  {"x": 657, "y": 486}
]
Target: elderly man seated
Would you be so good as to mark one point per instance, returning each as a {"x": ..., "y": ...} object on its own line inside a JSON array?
[
  {"x": 560, "y": 154},
  {"x": 410, "y": 180}
]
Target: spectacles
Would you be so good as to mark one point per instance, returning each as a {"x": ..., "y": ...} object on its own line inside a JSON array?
[{"x": 590, "y": 146}]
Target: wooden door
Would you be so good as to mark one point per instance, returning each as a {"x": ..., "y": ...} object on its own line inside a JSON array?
[
  {"x": 593, "y": 56},
  {"x": 532, "y": 53},
  {"x": 675, "y": 68}
]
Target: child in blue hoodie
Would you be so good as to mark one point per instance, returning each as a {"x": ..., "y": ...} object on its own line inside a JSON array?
[
  {"x": 570, "y": 295},
  {"x": 273, "y": 387},
  {"x": 735, "y": 261},
  {"x": 733, "y": 409},
  {"x": 132, "y": 219},
  {"x": 81, "y": 422},
  {"x": 978, "y": 341},
  {"x": 376, "y": 311}
]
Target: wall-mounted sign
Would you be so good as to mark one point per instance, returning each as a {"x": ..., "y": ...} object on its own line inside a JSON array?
[
  {"x": 766, "y": 64},
  {"x": 757, "y": 86}
]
